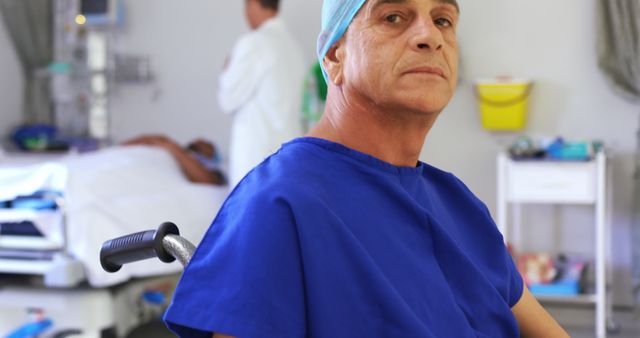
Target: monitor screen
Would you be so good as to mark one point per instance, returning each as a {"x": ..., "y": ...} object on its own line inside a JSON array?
[{"x": 94, "y": 7}]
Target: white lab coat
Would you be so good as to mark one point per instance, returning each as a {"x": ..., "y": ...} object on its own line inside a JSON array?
[{"x": 262, "y": 86}]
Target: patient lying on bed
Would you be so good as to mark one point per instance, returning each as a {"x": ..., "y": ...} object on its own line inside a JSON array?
[
  {"x": 117, "y": 191},
  {"x": 197, "y": 160}
]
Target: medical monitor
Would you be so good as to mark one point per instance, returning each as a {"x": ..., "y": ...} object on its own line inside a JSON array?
[{"x": 101, "y": 12}]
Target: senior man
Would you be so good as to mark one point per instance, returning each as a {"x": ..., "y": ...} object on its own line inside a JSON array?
[{"x": 345, "y": 233}]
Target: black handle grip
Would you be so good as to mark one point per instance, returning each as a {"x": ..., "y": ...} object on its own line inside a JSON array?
[{"x": 137, "y": 247}]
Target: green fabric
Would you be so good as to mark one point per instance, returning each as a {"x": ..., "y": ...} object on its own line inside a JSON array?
[
  {"x": 314, "y": 94},
  {"x": 321, "y": 83}
]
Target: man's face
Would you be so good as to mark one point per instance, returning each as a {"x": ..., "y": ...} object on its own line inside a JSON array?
[{"x": 402, "y": 54}]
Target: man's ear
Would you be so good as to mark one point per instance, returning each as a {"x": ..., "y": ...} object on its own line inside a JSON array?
[{"x": 333, "y": 62}]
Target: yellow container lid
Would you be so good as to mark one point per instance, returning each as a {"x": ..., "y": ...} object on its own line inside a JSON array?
[{"x": 503, "y": 80}]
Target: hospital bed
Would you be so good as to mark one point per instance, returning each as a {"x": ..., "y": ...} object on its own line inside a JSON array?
[{"x": 48, "y": 259}]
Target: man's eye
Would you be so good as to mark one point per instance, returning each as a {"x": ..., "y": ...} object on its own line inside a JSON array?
[
  {"x": 392, "y": 18},
  {"x": 443, "y": 22}
]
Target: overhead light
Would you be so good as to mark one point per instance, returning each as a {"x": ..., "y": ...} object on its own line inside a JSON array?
[{"x": 81, "y": 19}]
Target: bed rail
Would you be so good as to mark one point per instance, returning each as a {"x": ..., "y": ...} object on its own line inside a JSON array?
[{"x": 164, "y": 243}]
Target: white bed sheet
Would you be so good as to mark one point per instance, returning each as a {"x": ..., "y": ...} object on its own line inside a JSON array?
[{"x": 123, "y": 190}]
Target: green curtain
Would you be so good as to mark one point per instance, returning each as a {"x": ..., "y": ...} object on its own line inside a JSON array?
[
  {"x": 30, "y": 26},
  {"x": 619, "y": 59}
]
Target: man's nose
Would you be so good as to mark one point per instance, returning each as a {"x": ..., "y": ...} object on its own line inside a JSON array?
[{"x": 426, "y": 36}]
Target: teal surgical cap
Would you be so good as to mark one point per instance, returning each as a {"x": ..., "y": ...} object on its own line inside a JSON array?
[{"x": 336, "y": 18}]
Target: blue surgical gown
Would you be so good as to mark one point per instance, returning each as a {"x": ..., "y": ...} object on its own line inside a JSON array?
[{"x": 324, "y": 241}]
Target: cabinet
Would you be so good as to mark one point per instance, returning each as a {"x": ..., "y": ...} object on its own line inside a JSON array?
[
  {"x": 560, "y": 182},
  {"x": 36, "y": 255}
]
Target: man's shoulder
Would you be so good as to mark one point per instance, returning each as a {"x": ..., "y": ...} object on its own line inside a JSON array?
[
  {"x": 278, "y": 38},
  {"x": 433, "y": 173},
  {"x": 284, "y": 173},
  {"x": 261, "y": 35},
  {"x": 446, "y": 180},
  {"x": 248, "y": 41},
  {"x": 448, "y": 184}
]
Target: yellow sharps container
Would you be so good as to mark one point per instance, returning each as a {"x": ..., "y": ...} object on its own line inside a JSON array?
[{"x": 503, "y": 103}]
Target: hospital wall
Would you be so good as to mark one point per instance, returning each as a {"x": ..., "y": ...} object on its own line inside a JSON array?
[{"x": 552, "y": 42}]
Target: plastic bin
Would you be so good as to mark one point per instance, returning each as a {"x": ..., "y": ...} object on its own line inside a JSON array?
[{"x": 503, "y": 103}]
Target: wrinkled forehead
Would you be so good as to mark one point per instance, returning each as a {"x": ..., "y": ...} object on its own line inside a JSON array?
[
  {"x": 344, "y": 10},
  {"x": 373, "y": 3}
]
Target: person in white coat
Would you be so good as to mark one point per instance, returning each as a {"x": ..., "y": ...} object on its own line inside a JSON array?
[{"x": 262, "y": 86}]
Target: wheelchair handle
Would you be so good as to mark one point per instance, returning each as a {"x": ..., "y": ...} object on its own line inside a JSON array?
[{"x": 164, "y": 243}]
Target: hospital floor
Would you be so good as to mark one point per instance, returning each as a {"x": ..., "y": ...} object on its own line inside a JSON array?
[{"x": 578, "y": 321}]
